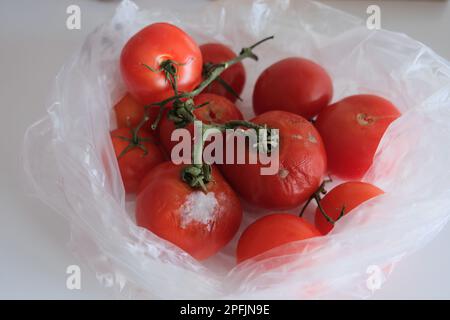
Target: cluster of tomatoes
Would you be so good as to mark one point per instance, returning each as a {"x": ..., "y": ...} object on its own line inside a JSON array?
[{"x": 161, "y": 63}]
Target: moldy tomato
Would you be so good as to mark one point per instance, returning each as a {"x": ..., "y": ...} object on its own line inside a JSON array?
[{"x": 197, "y": 222}]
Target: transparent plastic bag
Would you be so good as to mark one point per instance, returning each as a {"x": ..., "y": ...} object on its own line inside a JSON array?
[{"x": 70, "y": 164}]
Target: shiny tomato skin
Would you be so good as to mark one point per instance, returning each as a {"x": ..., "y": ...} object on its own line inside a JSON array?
[
  {"x": 351, "y": 130},
  {"x": 234, "y": 76},
  {"x": 151, "y": 46},
  {"x": 218, "y": 110},
  {"x": 301, "y": 165},
  {"x": 272, "y": 231},
  {"x": 134, "y": 165},
  {"x": 160, "y": 209},
  {"x": 348, "y": 195},
  {"x": 130, "y": 112},
  {"x": 296, "y": 85}
]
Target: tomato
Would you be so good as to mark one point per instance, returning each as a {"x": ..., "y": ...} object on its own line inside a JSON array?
[
  {"x": 218, "y": 110},
  {"x": 347, "y": 196},
  {"x": 234, "y": 76},
  {"x": 351, "y": 130},
  {"x": 296, "y": 85},
  {"x": 200, "y": 224},
  {"x": 130, "y": 112},
  {"x": 301, "y": 165},
  {"x": 152, "y": 46},
  {"x": 134, "y": 164},
  {"x": 272, "y": 231}
]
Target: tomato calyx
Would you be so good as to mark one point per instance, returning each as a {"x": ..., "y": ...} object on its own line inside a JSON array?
[
  {"x": 135, "y": 141},
  {"x": 169, "y": 68},
  {"x": 182, "y": 112},
  {"x": 197, "y": 176},
  {"x": 317, "y": 196}
]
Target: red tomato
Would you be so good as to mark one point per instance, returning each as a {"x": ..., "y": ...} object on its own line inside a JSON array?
[
  {"x": 234, "y": 76},
  {"x": 218, "y": 110},
  {"x": 296, "y": 85},
  {"x": 129, "y": 113},
  {"x": 199, "y": 223},
  {"x": 347, "y": 195},
  {"x": 301, "y": 165},
  {"x": 351, "y": 130},
  {"x": 273, "y": 231},
  {"x": 134, "y": 164},
  {"x": 152, "y": 46}
]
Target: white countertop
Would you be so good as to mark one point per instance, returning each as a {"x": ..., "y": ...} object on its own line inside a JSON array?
[{"x": 34, "y": 43}]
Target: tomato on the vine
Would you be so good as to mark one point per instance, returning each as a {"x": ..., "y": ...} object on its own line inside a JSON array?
[
  {"x": 135, "y": 162},
  {"x": 151, "y": 53},
  {"x": 234, "y": 77},
  {"x": 301, "y": 165},
  {"x": 199, "y": 223},
  {"x": 217, "y": 110},
  {"x": 297, "y": 85},
  {"x": 272, "y": 231},
  {"x": 351, "y": 130},
  {"x": 342, "y": 199}
]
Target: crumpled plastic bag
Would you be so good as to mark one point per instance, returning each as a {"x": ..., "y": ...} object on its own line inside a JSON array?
[{"x": 70, "y": 163}]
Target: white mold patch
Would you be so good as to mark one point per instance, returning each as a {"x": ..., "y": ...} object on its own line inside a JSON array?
[{"x": 201, "y": 208}]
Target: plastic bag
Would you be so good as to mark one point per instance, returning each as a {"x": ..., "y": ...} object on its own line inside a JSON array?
[{"x": 70, "y": 163}]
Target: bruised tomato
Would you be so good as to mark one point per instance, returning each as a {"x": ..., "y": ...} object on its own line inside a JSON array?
[
  {"x": 292, "y": 176},
  {"x": 153, "y": 47},
  {"x": 296, "y": 85},
  {"x": 199, "y": 223},
  {"x": 351, "y": 130},
  {"x": 234, "y": 76},
  {"x": 345, "y": 196},
  {"x": 272, "y": 231},
  {"x": 134, "y": 163},
  {"x": 218, "y": 110}
]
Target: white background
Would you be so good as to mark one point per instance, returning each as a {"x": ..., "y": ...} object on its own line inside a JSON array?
[{"x": 34, "y": 43}]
